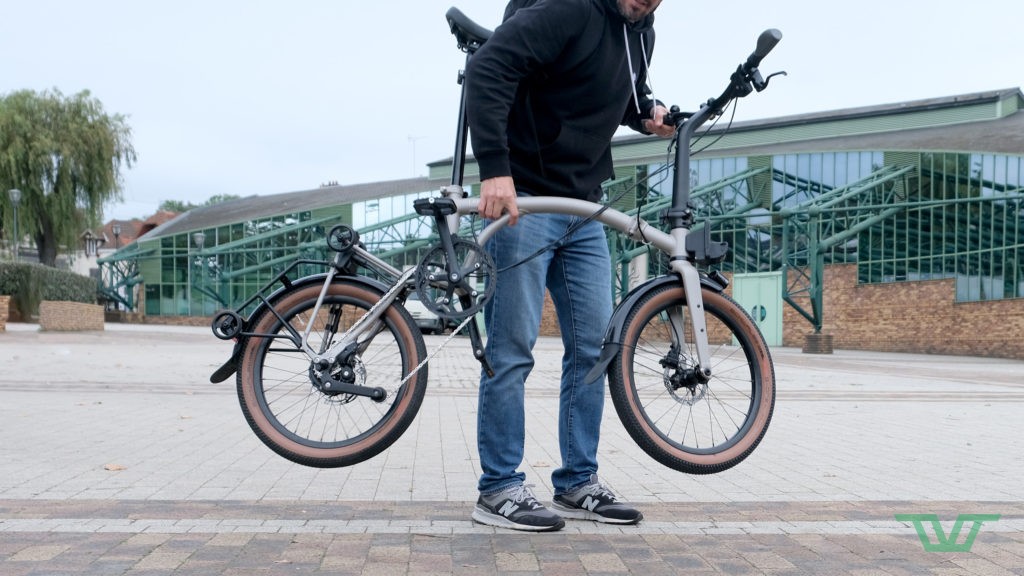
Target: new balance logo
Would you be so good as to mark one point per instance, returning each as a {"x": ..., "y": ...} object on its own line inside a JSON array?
[
  {"x": 589, "y": 503},
  {"x": 508, "y": 508}
]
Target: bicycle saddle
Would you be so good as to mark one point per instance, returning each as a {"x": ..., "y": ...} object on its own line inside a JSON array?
[{"x": 469, "y": 34}]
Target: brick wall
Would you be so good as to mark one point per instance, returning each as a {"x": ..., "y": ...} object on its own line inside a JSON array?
[
  {"x": 917, "y": 317},
  {"x": 548, "y": 319},
  {"x": 122, "y": 317},
  {"x": 4, "y": 304},
  {"x": 203, "y": 321},
  {"x": 69, "y": 316},
  {"x": 920, "y": 317}
]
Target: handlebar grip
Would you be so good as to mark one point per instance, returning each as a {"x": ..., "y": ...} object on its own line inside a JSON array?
[{"x": 765, "y": 42}]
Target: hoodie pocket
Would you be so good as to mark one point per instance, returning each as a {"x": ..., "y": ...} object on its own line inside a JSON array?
[{"x": 570, "y": 159}]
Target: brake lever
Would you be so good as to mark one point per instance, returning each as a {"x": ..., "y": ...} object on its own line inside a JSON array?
[{"x": 761, "y": 85}]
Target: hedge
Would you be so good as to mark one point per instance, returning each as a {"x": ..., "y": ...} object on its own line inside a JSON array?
[{"x": 30, "y": 284}]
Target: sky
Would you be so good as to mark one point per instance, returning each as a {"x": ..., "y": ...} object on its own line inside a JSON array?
[{"x": 244, "y": 97}]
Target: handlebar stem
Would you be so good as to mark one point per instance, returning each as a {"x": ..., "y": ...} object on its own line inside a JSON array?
[
  {"x": 680, "y": 215},
  {"x": 743, "y": 81}
]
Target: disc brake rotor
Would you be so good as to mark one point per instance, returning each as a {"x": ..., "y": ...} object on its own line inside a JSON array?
[
  {"x": 681, "y": 380},
  {"x": 326, "y": 381},
  {"x": 688, "y": 395}
]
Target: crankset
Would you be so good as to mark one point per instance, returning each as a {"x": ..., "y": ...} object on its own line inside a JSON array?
[{"x": 455, "y": 288}]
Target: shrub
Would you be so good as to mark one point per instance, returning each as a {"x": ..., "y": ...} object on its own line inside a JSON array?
[{"x": 30, "y": 284}]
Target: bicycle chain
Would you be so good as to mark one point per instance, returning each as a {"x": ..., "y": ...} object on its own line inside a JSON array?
[
  {"x": 397, "y": 286},
  {"x": 454, "y": 333}
]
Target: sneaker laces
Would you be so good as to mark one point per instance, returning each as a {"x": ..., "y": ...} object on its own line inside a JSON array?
[
  {"x": 524, "y": 494},
  {"x": 596, "y": 488}
]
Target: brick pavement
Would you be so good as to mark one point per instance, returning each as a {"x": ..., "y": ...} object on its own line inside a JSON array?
[{"x": 117, "y": 457}]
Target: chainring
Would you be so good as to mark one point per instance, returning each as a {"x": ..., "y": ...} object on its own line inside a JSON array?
[{"x": 456, "y": 290}]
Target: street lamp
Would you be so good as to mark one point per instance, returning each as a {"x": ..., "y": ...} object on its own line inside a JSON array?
[
  {"x": 198, "y": 239},
  {"x": 15, "y": 196},
  {"x": 116, "y": 229}
]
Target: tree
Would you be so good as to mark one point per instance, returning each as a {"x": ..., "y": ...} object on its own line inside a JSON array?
[
  {"x": 181, "y": 206},
  {"x": 219, "y": 198},
  {"x": 65, "y": 154}
]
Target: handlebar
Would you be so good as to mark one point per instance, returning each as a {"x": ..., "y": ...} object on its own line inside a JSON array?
[
  {"x": 765, "y": 42},
  {"x": 744, "y": 80}
]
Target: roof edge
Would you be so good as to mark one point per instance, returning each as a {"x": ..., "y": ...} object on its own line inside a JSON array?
[{"x": 861, "y": 112}]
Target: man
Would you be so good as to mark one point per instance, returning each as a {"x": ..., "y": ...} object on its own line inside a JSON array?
[{"x": 546, "y": 94}]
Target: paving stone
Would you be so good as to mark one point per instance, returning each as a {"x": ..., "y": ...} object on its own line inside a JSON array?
[{"x": 856, "y": 439}]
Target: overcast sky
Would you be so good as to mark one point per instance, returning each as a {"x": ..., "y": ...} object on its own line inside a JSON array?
[{"x": 257, "y": 97}]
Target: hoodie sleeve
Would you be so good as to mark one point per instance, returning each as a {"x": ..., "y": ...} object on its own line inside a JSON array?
[{"x": 521, "y": 46}]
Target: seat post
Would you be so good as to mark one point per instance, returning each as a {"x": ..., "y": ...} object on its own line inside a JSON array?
[
  {"x": 470, "y": 37},
  {"x": 462, "y": 131}
]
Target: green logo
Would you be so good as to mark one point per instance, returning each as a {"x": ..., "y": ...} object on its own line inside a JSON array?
[{"x": 944, "y": 542}]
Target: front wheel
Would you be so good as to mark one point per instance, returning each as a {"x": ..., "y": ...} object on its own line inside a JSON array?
[
  {"x": 285, "y": 399},
  {"x": 680, "y": 418}
]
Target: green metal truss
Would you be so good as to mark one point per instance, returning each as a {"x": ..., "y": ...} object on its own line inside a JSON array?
[
  {"x": 119, "y": 275},
  {"x": 888, "y": 222}
]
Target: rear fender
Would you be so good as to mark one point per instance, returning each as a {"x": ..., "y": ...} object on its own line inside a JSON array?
[{"x": 231, "y": 366}]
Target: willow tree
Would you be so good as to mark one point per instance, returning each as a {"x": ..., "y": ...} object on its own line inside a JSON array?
[{"x": 65, "y": 154}]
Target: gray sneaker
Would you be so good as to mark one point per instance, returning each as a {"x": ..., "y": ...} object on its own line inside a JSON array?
[
  {"x": 516, "y": 507},
  {"x": 593, "y": 501}
]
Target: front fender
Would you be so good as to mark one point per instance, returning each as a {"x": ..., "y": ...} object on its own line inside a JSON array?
[
  {"x": 611, "y": 346},
  {"x": 231, "y": 366}
]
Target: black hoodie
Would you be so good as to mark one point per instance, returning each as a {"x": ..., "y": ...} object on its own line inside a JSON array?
[{"x": 547, "y": 91}]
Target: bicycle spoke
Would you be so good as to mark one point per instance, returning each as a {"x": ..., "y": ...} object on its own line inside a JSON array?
[
  {"x": 296, "y": 403},
  {"x": 688, "y": 411}
]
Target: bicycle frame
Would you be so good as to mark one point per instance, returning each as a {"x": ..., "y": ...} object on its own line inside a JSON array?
[
  {"x": 674, "y": 243},
  {"x": 332, "y": 369}
]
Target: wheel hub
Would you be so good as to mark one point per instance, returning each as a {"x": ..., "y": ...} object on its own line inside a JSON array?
[
  {"x": 682, "y": 379},
  {"x": 329, "y": 381}
]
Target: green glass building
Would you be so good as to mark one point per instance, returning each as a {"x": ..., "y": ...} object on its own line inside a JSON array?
[{"x": 821, "y": 211}]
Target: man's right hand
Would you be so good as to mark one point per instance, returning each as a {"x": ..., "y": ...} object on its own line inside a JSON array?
[{"x": 498, "y": 195}]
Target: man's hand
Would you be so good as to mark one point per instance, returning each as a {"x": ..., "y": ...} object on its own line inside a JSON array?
[
  {"x": 498, "y": 195},
  {"x": 656, "y": 125}
]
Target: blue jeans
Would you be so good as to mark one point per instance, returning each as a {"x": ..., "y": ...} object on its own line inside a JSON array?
[{"x": 577, "y": 272}]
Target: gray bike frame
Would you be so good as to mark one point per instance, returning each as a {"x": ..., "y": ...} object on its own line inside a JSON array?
[{"x": 672, "y": 243}]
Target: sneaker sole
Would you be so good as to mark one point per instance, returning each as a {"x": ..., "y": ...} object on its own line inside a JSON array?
[
  {"x": 484, "y": 517},
  {"x": 580, "y": 514}
]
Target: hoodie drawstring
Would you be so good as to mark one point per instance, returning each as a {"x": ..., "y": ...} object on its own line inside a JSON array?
[{"x": 647, "y": 66}]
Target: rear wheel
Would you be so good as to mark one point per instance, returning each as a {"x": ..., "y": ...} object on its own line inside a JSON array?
[
  {"x": 289, "y": 403},
  {"x": 679, "y": 417}
]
